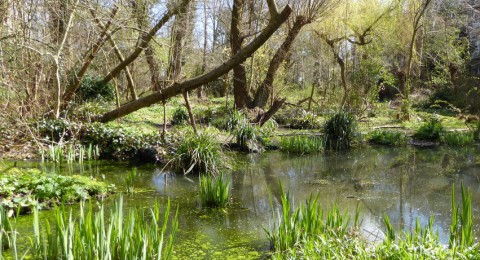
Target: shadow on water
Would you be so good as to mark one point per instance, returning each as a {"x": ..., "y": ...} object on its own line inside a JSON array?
[{"x": 405, "y": 183}]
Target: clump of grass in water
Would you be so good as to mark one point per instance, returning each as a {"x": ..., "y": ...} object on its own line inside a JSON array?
[
  {"x": 296, "y": 232},
  {"x": 199, "y": 154},
  {"x": 430, "y": 131},
  {"x": 138, "y": 234},
  {"x": 386, "y": 138},
  {"x": 129, "y": 180},
  {"x": 214, "y": 191},
  {"x": 461, "y": 228},
  {"x": 304, "y": 233},
  {"x": 301, "y": 144},
  {"x": 71, "y": 153},
  {"x": 340, "y": 131},
  {"x": 458, "y": 138}
]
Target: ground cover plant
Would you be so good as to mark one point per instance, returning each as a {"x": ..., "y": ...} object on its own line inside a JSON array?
[
  {"x": 23, "y": 188},
  {"x": 95, "y": 233}
]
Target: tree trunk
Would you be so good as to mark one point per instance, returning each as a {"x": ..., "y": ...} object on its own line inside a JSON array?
[
  {"x": 190, "y": 114},
  {"x": 240, "y": 93},
  {"x": 453, "y": 69},
  {"x": 266, "y": 88},
  {"x": 194, "y": 83}
]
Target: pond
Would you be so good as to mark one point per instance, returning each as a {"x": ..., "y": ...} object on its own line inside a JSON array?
[{"x": 405, "y": 183}]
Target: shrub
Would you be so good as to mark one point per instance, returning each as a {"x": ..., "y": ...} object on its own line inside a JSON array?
[
  {"x": 91, "y": 88},
  {"x": 386, "y": 138},
  {"x": 458, "y": 138},
  {"x": 179, "y": 116},
  {"x": 430, "y": 131},
  {"x": 199, "y": 154},
  {"x": 214, "y": 191},
  {"x": 340, "y": 131},
  {"x": 301, "y": 144},
  {"x": 23, "y": 188}
]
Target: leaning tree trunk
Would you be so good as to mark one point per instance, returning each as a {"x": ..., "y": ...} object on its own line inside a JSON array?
[
  {"x": 177, "y": 88},
  {"x": 266, "y": 88}
]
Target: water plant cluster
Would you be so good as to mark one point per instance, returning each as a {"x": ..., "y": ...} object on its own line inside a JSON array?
[
  {"x": 215, "y": 191},
  {"x": 340, "y": 131},
  {"x": 200, "y": 153},
  {"x": 23, "y": 188},
  {"x": 95, "y": 233},
  {"x": 301, "y": 144},
  {"x": 309, "y": 232},
  {"x": 70, "y": 153}
]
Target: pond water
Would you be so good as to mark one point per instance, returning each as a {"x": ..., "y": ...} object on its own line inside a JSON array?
[{"x": 405, "y": 183}]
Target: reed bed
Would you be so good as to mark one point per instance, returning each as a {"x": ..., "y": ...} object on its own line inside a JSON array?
[
  {"x": 301, "y": 144},
  {"x": 94, "y": 233}
]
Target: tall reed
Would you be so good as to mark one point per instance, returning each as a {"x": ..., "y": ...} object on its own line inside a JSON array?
[
  {"x": 214, "y": 191},
  {"x": 301, "y": 144},
  {"x": 97, "y": 234}
]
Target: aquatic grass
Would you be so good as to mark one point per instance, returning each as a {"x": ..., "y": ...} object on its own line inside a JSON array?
[
  {"x": 340, "y": 131},
  {"x": 430, "y": 131},
  {"x": 461, "y": 227},
  {"x": 130, "y": 179},
  {"x": 72, "y": 153},
  {"x": 458, "y": 138},
  {"x": 301, "y": 144},
  {"x": 384, "y": 137},
  {"x": 302, "y": 233},
  {"x": 214, "y": 191},
  {"x": 199, "y": 154},
  {"x": 135, "y": 233},
  {"x": 293, "y": 229}
]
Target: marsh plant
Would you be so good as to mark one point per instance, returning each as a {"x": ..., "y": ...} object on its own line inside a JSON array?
[
  {"x": 301, "y": 144},
  {"x": 305, "y": 232},
  {"x": 340, "y": 131},
  {"x": 95, "y": 233},
  {"x": 430, "y": 131},
  {"x": 199, "y": 154},
  {"x": 130, "y": 179},
  {"x": 296, "y": 228},
  {"x": 384, "y": 137},
  {"x": 458, "y": 138},
  {"x": 214, "y": 191},
  {"x": 70, "y": 153}
]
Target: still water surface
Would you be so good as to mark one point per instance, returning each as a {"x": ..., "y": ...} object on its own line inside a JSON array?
[{"x": 404, "y": 183}]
